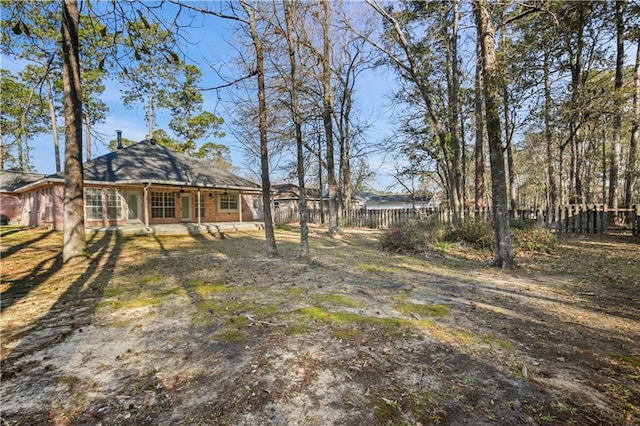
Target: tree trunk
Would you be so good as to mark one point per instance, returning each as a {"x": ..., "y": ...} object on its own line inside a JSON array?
[
  {"x": 320, "y": 180},
  {"x": 504, "y": 257},
  {"x": 327, "y": 117},
  {"x": 614, "y": 169},
  {"x": 548, "y": 134},
  {"x": 454, "y": 111},
  {"x": 54, "y": 125},
  {"x": 150, "y": 112},
  {"x": 74, "y": 247},
  {"x": 577, "y": 86},
  {"x": 513, "y": 190},
  {"x": 479, "y": 146},
  {"x": 632, "y": 173},
  {"x": 289, "y": 9},
  {"x": 262, "y": 128},
  {"x": 87, "y": 128},
  {"x": 508, "y": 137}
]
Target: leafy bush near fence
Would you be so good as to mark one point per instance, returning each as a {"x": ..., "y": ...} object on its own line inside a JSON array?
[
  {"x": 420, "y": 235},
  {"x": 475, "y": 233},
  {"x": 536, "y": 240},
  {"x": 413, "y": 236}
]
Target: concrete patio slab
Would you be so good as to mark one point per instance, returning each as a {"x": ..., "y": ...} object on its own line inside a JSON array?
[{"x": 180, "y": 228}]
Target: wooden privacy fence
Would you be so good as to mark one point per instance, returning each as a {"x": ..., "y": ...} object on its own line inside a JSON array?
[
  {"x": 592, "y": 219},
  {"x": 574, "y": 218}
]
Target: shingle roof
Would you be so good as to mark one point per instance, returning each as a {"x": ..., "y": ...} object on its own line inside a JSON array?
[
  {"x": 147, "y": 162},
  {"x": 290, "y": 191},
  {"x": 10, "y": 180}
]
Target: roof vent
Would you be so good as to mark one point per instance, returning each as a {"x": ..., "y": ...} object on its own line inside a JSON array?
[
  {"x": 119, "y": 133},
  {"x": 153, "y": 141}
]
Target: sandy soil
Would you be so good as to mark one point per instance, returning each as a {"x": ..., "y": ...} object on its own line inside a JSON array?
[{"x": 197, "y": 330}]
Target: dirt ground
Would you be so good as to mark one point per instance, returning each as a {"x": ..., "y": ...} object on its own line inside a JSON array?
[{"x": 201, "y": 330}]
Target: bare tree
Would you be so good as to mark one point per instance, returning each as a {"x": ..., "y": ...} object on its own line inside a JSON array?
[
  {"x": 262, "y": 127},
  {"x": 410, "y": 60},
  {"x": 290, "y": 9}
]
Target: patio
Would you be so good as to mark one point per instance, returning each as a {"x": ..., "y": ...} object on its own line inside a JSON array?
[{"x": 180, "y": 228}]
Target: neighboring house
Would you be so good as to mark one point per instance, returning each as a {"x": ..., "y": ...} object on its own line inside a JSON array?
[
  {"x": 10, "y": 200},
  {"x": 286, "y": 196},
  {"x": 143, "y": 183},
  {"x": 401, "y": 201}
]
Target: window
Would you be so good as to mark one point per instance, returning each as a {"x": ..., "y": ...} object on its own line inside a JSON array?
[
  {"x": 201, "y": 204},
  {"x": 228, "y": 202},
  {"x": 93, "y": 203},
  {"x": 163, "y": 204},
  {"x": 114, "y": 204}
]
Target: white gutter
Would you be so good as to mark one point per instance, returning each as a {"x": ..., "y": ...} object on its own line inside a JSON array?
[{"x": 146, "y": 205}]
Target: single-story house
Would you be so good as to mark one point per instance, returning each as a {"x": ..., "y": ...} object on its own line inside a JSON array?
[
  {"x": 287, "y": 195},
  {"x": 144, "y": 183},
  {"x": 400, "y": 201}
]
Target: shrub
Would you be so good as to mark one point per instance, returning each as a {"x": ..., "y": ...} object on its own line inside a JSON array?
[
  {"x": 418, "y": 235},
  {"x": 535, "y": 240},
  {"x": 413, "y": 236},
  {"x": 476, "y": 232}
]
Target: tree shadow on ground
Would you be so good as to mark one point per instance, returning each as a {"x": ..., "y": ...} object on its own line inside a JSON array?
[
  {"x": 13, "y": 249},
  {"x": 73, "y": 309}
]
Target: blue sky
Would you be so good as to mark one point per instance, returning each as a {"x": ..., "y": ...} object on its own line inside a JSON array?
[{"x": 211, "y": 44}]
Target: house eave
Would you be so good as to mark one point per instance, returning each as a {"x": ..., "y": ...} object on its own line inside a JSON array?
[{"x": 48, "y": 181}]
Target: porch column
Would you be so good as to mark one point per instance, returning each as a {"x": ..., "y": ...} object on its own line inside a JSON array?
[
  {"x": 198, "y": 206},
  {"x": 240, "y": 205},
  {"x": 146, "y": 205}
]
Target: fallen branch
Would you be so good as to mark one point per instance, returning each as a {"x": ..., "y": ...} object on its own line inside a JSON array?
[{"x": 264, "y": 322}]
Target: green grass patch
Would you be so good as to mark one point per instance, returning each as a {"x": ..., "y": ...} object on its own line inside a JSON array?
[
  {"x": 422, "y": 309},
  {"x": 207, "y": 289},
  {"x": 296, "y": 291},
  {"x": 130, "y": 304},
  {"x": 231, "y": 336},
  {"x": 337, "y": 299},
  {"x": 342, "y": 317},
  {"x": 150, "y": 280}
]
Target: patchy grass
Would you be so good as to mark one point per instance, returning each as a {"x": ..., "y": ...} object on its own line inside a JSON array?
[
  {"x": 337, "y": 300},
  {"x": 216, "y": 332},
  {"x": 423, "y": 310}
]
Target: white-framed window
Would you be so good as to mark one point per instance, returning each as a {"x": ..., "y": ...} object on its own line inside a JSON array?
[
  {"x": 93, "y": 203},
  {"x": 114, "y": 204},
  {"x": 228, "y": 202},
  {"x": 163, "y": 204}
]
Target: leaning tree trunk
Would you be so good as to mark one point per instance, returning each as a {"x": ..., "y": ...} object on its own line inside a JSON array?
[
  {"x": 548, "y": 134},
  {"x": 262, "y": 127},
  {"x": 504, "y": 257},
  {"x": 479, "y": 183},
  {"x": 327, "y": 116},
  {"x": 295, "y": 113},
  {"x": 54, "y": 124},
  {"x": 632, "y": 173},
  {"x": 614, "y": 169},
  {"x": 74, "y": 245}
]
